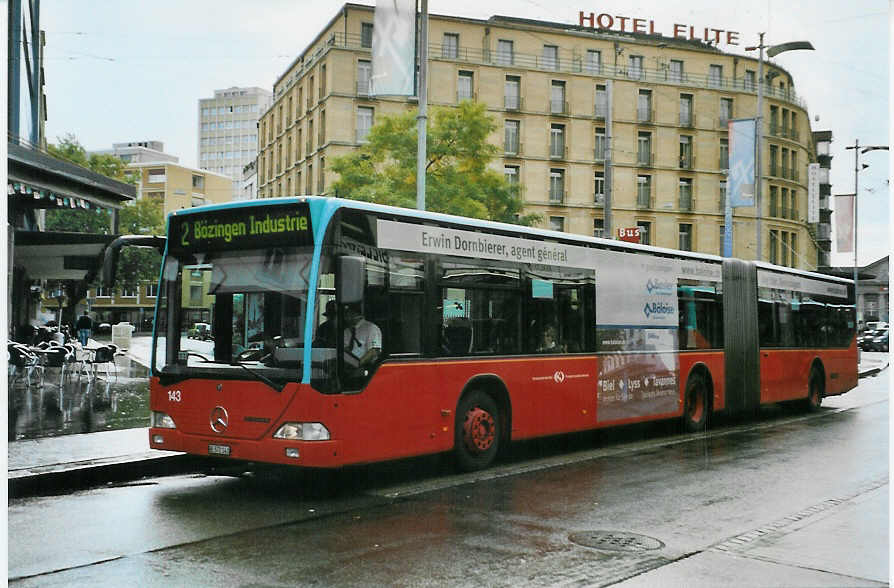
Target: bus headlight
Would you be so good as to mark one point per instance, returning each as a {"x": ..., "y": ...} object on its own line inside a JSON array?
[
  {"x": 161, "y": 420},
  {"x": 302, "y": 432}
]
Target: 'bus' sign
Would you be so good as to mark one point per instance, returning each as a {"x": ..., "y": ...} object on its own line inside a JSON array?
[{"x": 629, "y": 234}]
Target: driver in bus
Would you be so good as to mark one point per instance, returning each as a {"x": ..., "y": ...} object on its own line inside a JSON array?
[{"x": 362, "y": 339}]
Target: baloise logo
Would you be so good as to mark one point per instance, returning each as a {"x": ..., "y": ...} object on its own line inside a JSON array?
[
  {"x": 656, "y": 286},
  {"x": 657, "y": 308}
]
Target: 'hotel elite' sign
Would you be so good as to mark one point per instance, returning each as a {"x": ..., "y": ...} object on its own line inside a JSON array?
[{"x": 625, "y": 24}]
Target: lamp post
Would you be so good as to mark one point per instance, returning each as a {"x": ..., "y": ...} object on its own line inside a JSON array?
[
  {"x": 857, "y": 170},
  {"x": 772, "y": 51}
]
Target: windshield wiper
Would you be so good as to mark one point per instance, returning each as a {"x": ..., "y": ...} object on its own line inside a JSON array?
[{"x": 259, "y": 375}]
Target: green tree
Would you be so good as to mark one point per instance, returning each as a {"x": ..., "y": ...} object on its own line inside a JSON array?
[
  {"x": 458, "y": 177},
  {"x": 137, "y": 264}
]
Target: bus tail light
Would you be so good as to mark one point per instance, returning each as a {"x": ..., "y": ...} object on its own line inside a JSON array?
[
  {"x": 161, "y": 420},
  {"x": 302, "y": 432}
]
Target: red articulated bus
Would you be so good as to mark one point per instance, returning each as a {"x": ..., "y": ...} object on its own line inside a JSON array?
[{"x": 345, "y": 333}]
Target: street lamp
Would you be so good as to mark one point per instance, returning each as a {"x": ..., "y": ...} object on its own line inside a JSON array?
[
  {"x": 772, "y": 51},
  {"x": 857, "y": 170}
]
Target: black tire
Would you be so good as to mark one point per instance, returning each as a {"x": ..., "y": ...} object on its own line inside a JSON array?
[
  {"x": 477, "y": 431},
  {"x": 695, "y": 405},
  {"x": 815, "y": 390}
]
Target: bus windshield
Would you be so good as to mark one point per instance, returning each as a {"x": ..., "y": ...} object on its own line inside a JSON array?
[{"x": 234, "y": 307}]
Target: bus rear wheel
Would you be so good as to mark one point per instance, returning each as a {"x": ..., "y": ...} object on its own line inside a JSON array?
[
  {"x": 695, "y": 407},
  {"x": 814, "y": 390},
  {"x": 477, "y": 431}
]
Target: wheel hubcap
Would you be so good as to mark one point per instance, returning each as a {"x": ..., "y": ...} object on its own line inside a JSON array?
[{"x": 479, "y": 430}]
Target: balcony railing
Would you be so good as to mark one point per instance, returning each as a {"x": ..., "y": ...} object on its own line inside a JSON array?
[
  {"x": 512, "y": 149},
  {"x": 558, "y": 151},
  {"x": 600, "y": 153},
  {"x": 645, "y": 115},
  {"x": 643, "y": 200},
  {"x": 556, "y": 197},
  {"x": 599, "y": 200},
  {"x": 723, "y": 162},
  {"x": 685, "y": 202},
  {"x": 687, "y": 120},
  {"x": 364, "y": 88},
  {"x": 600, "y": 111},
  {"x": 477, "y": 55},
  {"x": 513, "y": 102},
  {"x": 645, "y": 159},
  {"x": 687, "y": 161},
  {"x": 558, "y": 107}
]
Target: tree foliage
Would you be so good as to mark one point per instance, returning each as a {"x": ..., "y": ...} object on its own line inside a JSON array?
[
  {"x": 458, "y": 177},
  {"x": 137, "y": 264}
]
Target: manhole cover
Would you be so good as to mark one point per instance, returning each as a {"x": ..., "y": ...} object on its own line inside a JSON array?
[{"x": 615, "y": 541}]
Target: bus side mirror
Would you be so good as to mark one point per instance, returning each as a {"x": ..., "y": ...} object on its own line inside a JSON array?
[{"x": 351, "y": 278}]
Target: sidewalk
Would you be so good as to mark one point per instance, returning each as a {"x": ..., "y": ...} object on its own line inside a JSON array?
[{"x": 73, "y": 461}]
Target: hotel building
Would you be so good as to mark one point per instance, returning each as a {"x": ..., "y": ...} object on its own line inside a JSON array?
[{"x": 585, "y": 117}]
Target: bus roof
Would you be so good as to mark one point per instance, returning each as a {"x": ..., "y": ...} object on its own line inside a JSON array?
[{"x": 334, "y": 204}]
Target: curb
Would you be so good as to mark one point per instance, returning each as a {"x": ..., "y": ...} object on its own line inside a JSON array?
[{"x": 64, "y": 478}]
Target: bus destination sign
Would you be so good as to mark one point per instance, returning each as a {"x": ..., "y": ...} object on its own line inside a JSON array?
[{"x": 241, "y": 228}]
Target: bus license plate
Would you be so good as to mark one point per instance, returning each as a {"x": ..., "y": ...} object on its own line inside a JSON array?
[{"x": 218, "y": 450}]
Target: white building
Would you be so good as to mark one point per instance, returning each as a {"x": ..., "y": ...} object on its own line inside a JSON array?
[
  {"x": 228, "y": 131},
  {"x": 139, "y": 152},
  {"x": 249, "y": 189}
]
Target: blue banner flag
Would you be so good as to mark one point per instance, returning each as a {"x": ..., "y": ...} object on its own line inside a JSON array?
[{"x": 740, "y": 189}]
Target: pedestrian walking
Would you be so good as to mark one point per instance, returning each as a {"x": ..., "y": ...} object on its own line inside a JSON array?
[{"x": 84, "y": 327}]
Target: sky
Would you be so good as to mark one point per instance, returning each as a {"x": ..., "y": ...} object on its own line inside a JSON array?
[{"x": 127, "y": 71}]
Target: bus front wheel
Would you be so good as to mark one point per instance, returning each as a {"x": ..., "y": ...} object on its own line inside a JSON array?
[
  {"x": 477, "y": 431},
  {"x": 695, "y": 408}
]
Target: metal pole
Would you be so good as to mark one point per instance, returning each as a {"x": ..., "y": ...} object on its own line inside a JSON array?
[
  {"x": 758, "y": 140},
  {"x": 422, "y": 117},
  {"x": 856, "y": 192}
]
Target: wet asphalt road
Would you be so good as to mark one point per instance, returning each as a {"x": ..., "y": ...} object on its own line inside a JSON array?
[{"x": 415, "y": 523}]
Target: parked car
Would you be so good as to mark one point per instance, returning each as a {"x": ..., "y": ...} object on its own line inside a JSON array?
[
  {"x": 880, "y": 341},
  {"x": 200, "y": 331},
  {"x": 864, "y": 339}
]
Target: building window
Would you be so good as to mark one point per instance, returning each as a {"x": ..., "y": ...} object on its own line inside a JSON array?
[
  {"x": 783, "y": 249},
  {"x": 465, "y": 86},
  {"x": 366, "y": 35},
  {"x": 724, "y": 153},
  {"x": 601, "y": 102},
  {"x": 686, "y": 110},
  {"x": 198, "y": 181},
  {"x": 644, "y": 106},
  {"x": 644, "y": 148},
  {"x": 510, "y": 172},
  {"x": 722, "y": 196},
  {"x": 774, "y": 245},
  {"x": 364, "y": 123},
  {"x": 321, "y": 182},
  {"x": 645, "y": 232},
  {"x": 794, "y": 245},
  {"x": 557, "y": 141},
  {"x": 599, "y": 152},
  {"x": 512, "y": 93},
  {"x": 450, "y": 47},
  {"x": 675, "y": 71},
  {"x": 685, "y": 237},
  {"x": 715, "y": 76},
  {"x": 510, "y": 137},
  {"x": 505, "y": 52},
  {"x": 686, "y": 194},
  {"x": 774, "y": 156},
  {"x": 599, "y": 227},
  {"x": 556, "y": 186},
  {"x": 557, "y": 97},
  {"x": 726, "y": 110},
  {"x": 599, "y": 188},
  {"x": 750, "y": 78},
  {"x": 593, "y": 64},
  {"x": 104, "y": 292},
  {"x": 685, "y": 152},
  {"x": 635, "y": 67},
  {"x": 557, "y": 223},
  {"x": 156, "y": 176},
  {"x": 151, "y": 289},
  {"x": 364, "y": 78},
  {"x": 644, "y": 191},
  {"x": 550, "y": 58},
  {"x": 310, "y": 179}
]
